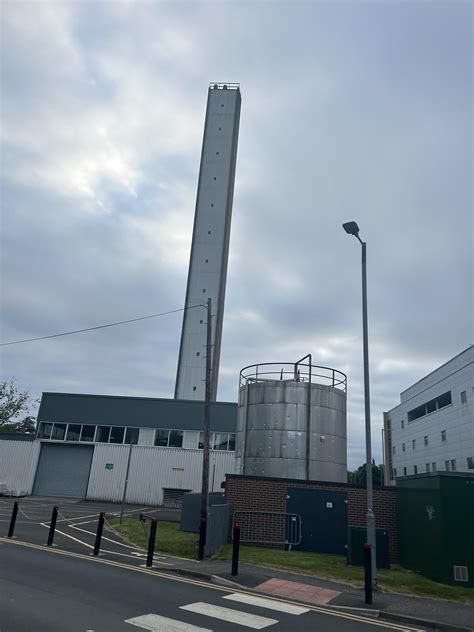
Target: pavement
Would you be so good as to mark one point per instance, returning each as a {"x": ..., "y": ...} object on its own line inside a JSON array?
[{"x": 75, "y": 533}]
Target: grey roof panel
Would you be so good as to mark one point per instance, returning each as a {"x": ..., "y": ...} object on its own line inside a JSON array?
[{"x": 110, "y": 410}]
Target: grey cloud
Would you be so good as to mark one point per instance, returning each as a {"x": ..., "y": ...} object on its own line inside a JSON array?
[{"x": 349, "y": 112}]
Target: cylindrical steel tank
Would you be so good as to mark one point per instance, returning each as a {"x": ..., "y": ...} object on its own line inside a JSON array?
[{"x": 292, "y": 422}]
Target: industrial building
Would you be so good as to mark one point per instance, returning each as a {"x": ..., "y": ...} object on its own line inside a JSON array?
[
  {"x": 84, "y": 442},
  {"x": 432, "y": 429}
]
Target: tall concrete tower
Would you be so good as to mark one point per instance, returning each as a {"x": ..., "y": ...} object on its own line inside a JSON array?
[{"x": 210, "y": 246}]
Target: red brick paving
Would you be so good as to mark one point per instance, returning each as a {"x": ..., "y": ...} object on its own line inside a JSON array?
[{"x": 306, "y": 592}]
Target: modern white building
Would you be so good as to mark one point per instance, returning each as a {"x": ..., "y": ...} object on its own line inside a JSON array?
[
  {"x": 210, "y": 244},
  {"x": 432, "y": 429}
]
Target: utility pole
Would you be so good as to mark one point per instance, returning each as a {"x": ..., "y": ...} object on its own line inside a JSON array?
[{"x": 207, "y": 428}]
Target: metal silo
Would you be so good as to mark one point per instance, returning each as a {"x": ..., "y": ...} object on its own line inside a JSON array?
[{"x": 292, "y": 422}]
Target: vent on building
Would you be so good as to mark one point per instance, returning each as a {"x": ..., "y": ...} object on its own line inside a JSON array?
[
  {"x": 461, "y": 574},
  {"x": 174, "y": 497}
]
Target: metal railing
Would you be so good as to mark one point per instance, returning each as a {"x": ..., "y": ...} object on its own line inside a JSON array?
[
  {"x": 224, "y": 86},
  {"x": 293, "y": 372},
  {"x": 268, "y": 527}
]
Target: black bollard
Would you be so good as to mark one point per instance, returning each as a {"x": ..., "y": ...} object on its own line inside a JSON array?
[
  {"x": 13, "y": 519},
  {"x": 98, "y": 536},
  {"x": 151, "y": 542},
  {"x": 368, "y": 572},
  {"x": 52, "y": 526},
  {"x": 202, "y": 538},
  {"x": 235, "y": 551}
]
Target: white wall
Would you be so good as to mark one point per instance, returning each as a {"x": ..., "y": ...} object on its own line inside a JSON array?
[
  {"x": 456, "y": 419},
  {"x": 151, "y": 470},
  {"x": 18, "y": 462}
]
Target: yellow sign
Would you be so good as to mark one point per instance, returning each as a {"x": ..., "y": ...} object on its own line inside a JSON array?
[{"x": 178, "y": 469}]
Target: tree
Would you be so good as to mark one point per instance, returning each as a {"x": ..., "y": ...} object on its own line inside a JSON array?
[
  {"x": 13, "y": 405},
  {"x": 359, "y": 476}
]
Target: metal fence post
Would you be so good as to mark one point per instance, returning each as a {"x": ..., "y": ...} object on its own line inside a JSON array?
[
  {"x": 52, "y": 526},
  {"x": 13, "y": 519},
  {"x": 98, "y": 536},
  {"x": 368, "y": 572},
  {"x": 151, "y": 542},
  {"x": 235, "y": 551}
]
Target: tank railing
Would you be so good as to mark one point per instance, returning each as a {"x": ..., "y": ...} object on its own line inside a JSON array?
[{"x": 286, "y": 371}]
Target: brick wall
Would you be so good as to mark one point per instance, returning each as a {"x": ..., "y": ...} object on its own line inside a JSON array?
[{"x": 253, "y": 493}]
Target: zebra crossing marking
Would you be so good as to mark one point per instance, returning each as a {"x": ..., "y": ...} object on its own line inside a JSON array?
[
  {"x": 263, "y": 602},
  {"x": 156, "y": 623},
  {"x": 253, "y": 621}
]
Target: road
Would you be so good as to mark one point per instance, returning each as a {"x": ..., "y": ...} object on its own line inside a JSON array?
[{"x": 51, "y": 590}]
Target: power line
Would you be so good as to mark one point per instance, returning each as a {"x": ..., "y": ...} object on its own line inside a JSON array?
[{"x": 79, "y": 331}]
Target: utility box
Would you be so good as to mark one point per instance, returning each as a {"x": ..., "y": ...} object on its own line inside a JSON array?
[
  {"x": 436, "y": 525},
  {"x": 357, "y": 537},
  {"x": 191, "y": 510}
]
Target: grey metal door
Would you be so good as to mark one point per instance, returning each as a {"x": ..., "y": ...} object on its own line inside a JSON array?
[
  {"x": 323, "y": 517},
  {"x": 63, "y": 470}
]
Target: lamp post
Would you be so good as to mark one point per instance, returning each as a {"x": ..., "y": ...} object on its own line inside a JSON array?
[{"x": 352, "y": 229}]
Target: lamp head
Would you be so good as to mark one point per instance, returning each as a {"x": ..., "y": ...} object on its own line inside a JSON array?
[{"x": 351, "y": 228}]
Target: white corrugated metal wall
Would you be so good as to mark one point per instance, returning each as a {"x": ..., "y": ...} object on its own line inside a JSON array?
[
  {"x": 151, "y": 470},
  {"x": 18, "y": 462}
]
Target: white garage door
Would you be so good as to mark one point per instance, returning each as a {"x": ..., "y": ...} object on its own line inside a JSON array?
[{"x": 63, "y": 470}]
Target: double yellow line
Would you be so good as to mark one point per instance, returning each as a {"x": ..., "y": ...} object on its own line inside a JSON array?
[{"x": 197, "y": 582}]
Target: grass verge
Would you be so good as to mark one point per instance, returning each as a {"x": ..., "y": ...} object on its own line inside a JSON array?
[
  {"x": 172, "y": 541},
  {"x": 395, "y": 579},
  {"x": 169, "y": 539}
]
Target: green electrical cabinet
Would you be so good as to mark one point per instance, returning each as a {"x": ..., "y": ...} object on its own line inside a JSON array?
[
  {"x": 435, "y": 515},
  {"x": 357, "y": 537}
]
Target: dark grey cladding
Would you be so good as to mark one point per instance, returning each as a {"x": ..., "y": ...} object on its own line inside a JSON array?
[{"x": 135, "y": 411}]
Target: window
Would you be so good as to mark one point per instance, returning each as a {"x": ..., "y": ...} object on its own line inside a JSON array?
[
  {"x": 231, "y": 441},
  {"x": 169, "y": 438},
  {"x": 428, "y": 468},
  {"x": 221, "y": 440},
  {"x": 403, "y": 447},
  {"x": 393, "y": 449},
  {"x": 463, "y": 397},
  {"x": 403, "y": 424},
  {"x": 453, "y": 465},
  {"x": 73, "y": 432},
  {"x": 433, "y": 466},
  {"x": 394, "y": 472},
  {"x": 176, "y": 439},
  {"x": 413, "y": 444},
  {"x": 443, "y": 436},
  {"x": 430, "y": 407},
  {"x": 446, "y": 465},
  {"x": 45, "y": 431},
  {"x": 116, "y": 434},
  {"x": 161, "y": 437},
  {"x": 194, "y": 388},
  {"x": 131, "y": 436},
  {"x": 87, "y": 433},
  {"x": 404, "y": 471},
  {"x": 426, "y": 440},
  {"x": 59, "y": 430},
  {"x": 415, "y": 469},
  {"x": 470, "y": 463},
  {"x": 103, "y": 433}
]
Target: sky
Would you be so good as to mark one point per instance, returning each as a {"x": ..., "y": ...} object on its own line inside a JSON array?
[{"x": 350, "y": 111}]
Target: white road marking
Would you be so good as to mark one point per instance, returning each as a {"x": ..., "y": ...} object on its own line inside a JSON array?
[
  {"x": 233, "y": 616},
  {"x": 263, "y": 602},
  {"x": 155, "y": 623}
]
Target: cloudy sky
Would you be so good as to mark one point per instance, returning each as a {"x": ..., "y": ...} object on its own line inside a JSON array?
[{"x": 350, "y": 110}]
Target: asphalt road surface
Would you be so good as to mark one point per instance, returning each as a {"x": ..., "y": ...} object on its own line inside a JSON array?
[{"x": 51, "y": 590}]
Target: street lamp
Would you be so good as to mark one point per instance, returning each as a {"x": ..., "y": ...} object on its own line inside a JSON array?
[{"x": 352, "y": 229}]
